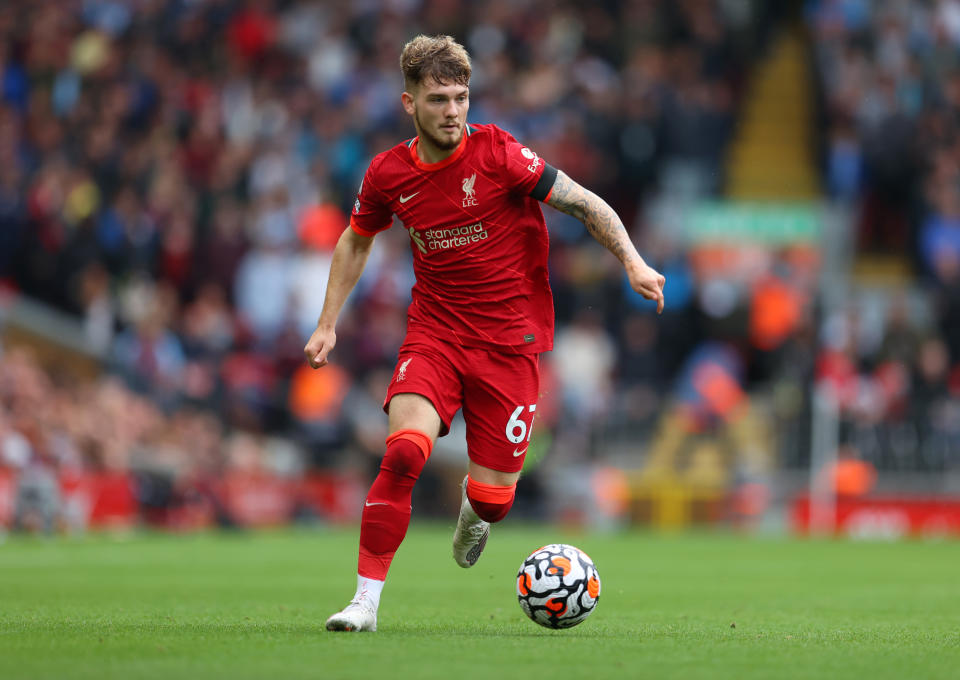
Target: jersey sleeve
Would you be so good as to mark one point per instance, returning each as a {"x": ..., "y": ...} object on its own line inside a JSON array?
[
  {"x": 370, "y": 214},
  {"x": 524, "y": 171}
]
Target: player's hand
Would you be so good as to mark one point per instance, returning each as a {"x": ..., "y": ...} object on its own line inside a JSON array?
[
  {"x": 647, "y": 281},
  {"x": 319, "y": 346}
]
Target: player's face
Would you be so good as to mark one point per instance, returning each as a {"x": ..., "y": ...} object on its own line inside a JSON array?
[{"x": 440, "y": 113}]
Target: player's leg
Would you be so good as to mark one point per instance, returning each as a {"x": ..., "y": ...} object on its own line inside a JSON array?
[
  {"x": 491, "y": 492},
  {"x": 486, "y": 498},
  {"x": 421, "y": 380},
  {"x": 499, "y": 404},
  {"x": 414, "y": 426}
]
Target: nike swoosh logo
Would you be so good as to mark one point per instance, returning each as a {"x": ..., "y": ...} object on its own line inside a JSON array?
[
  {"x": 404, "y": 199},
  {"x": 368, "y": 504},
  {"x": 517, "y": 454}
]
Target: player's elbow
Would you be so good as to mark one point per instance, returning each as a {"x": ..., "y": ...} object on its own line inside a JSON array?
[{"x": 353, "y": 242}]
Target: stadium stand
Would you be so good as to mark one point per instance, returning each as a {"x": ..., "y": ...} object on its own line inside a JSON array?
[{"x": 175, "y": 176}]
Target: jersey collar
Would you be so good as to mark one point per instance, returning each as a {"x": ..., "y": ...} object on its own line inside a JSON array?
[{"x": 446, "y": 161}]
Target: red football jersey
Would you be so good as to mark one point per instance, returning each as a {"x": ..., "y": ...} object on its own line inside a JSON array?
[{"x": 478, "y": 238}]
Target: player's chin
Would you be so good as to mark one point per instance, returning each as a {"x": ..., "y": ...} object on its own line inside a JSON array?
[{"x": 450, "y": 137}]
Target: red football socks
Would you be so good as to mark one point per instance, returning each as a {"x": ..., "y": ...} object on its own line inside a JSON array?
[
  {"x": 386, "y": 513},
  {"x": 489, "y": 501}
]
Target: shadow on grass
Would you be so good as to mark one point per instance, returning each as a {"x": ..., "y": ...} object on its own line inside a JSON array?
[
  {"x": 171, "y": 627},
  {"x": 495, "y": 630}
]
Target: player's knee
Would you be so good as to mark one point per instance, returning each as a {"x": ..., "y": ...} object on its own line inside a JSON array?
[
  {"x": 491, "y": 502},
  {"x": 407, "y": 452}
]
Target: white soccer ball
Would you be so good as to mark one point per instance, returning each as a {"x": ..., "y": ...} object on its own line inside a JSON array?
[{"x": 558, "y": 586}]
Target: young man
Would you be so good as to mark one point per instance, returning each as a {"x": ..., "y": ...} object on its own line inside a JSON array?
[{"x": 482, "y": 310}]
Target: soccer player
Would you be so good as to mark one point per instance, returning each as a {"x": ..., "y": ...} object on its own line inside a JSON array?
[{"x": 482, "y": 309}]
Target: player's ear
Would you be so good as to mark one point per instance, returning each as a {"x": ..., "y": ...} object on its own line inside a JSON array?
[{"x": 407, "y": 100}]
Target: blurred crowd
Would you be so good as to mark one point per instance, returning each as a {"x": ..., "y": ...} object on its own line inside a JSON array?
[
  {"x": 891, "y": 90},
  {"x": 892, "y": 95},
  {"x": 177, "y": 172}
]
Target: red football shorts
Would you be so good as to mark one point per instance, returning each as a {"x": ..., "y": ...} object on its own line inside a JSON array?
[{"x": 498, "y": 393}]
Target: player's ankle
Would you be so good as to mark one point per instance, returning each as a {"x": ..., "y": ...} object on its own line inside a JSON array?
[{"x": 368, "y": 592}]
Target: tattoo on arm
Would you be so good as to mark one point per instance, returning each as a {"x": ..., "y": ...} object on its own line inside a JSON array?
[{"x": 599, "y": 218}]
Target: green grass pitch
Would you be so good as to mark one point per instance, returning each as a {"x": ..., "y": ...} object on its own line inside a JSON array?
[{"x": 686, "y": 606}]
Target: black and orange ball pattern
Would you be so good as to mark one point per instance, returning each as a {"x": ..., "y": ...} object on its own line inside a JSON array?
[{"x": 558, "y": 586}]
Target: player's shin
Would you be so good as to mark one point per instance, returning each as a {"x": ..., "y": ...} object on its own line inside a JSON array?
[{"x": 386, "y": 512}]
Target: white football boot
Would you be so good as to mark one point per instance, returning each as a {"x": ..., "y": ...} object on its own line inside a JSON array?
[
  {"x": 471, "y": 535},
  {"x": 359, "y": 615}
]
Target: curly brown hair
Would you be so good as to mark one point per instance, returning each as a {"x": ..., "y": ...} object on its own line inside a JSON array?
[{"x": 439, "y": 58}]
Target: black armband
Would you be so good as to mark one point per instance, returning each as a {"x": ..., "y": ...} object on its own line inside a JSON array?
[{"x": 547, "y": 179}]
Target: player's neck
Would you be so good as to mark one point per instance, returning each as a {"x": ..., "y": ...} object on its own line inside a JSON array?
[{"x": 428, "y": 153}]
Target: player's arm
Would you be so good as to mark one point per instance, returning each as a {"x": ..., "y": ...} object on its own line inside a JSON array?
[
  {"x": 606, "y": 227},
  {"x": 349, "y": 259}
]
